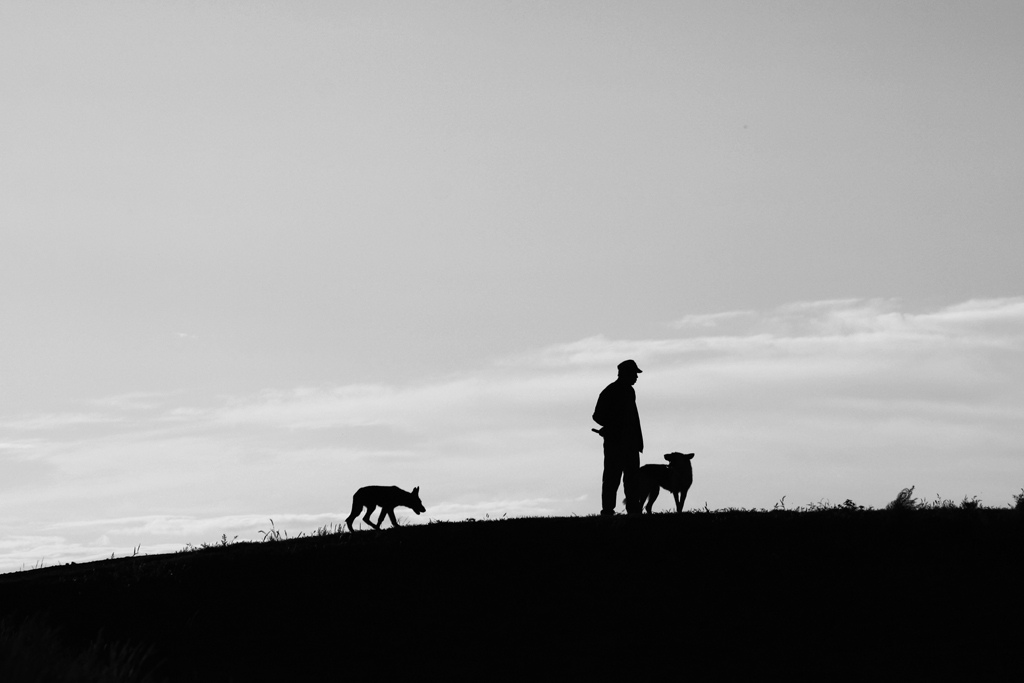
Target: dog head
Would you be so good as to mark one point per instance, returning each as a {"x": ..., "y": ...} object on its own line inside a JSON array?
[
  {"x": 679, "y": 458},
  {"x": 415, "y": 503}
]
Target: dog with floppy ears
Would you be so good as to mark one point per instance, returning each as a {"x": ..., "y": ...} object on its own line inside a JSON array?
[
  {"x": 388, "y": 498},
  {"x": 675, "y": 477}
]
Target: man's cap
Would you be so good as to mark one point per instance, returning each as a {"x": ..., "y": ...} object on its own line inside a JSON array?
[{"x": 630, "y": 366}]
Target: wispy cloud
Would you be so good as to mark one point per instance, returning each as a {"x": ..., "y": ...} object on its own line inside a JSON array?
[
  {"x": 135, "y": 401},
  {"x": 705, "y": 322},
  {"x": 55, "y": 421},
  {"x": 530, "y": 507},
  {"x": 21, "y": 552},
  {"x": 192, "y": 527},
  {"x": 838, "y": 399}
]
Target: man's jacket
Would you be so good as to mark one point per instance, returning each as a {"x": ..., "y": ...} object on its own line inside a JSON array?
[{"x": 619, "y": 419}]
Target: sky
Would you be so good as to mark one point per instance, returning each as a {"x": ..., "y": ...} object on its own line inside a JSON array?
[{"x": 255, "y": 255}]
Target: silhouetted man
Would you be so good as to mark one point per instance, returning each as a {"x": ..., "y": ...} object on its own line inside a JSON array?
[{"x": 623, "y": 441}]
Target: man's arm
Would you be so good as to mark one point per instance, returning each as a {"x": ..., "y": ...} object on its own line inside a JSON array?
[
  {"x": 608, "y": 411},
  {"x": 603, "y": 411}
]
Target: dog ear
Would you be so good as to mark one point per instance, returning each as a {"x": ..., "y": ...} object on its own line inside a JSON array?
[{"x": 690, "y": 455}]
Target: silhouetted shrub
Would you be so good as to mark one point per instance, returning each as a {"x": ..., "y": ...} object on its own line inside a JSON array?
[
  {"x": 904, "y": 501},
  {"x": 971, "y": 504}
]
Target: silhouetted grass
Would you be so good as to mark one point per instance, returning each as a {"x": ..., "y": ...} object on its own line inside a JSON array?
[{"x": 31, "y": 650}]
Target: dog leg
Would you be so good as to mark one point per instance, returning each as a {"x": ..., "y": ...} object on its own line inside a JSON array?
[
  {"x": 682, "y": 499},
  {"x": 356, "y": 509},
  {"x": 366, "y": 517},
  {"x": 652, "y": 496}
]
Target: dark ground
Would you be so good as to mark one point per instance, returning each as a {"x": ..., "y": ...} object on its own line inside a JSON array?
[{"x": 829, "y": 594}]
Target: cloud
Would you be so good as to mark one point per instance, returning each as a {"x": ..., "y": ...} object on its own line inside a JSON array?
[
  {"x": 782, "y": 384},
  {"x": 21, "y": 552},
  {"x": 711, "y": 320},
  {"x": 16, "y": 446},
  {"x": 496, "y": 509},
  {"x": 134, "y": 401},
  {"x": 192, "y": 527},
  {"x": 53, "y": 421},
  {"x": 838, "y": 399}
]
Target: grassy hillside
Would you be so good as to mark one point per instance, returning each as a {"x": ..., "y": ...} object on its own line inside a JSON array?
[{"x": 818, "y": 594}]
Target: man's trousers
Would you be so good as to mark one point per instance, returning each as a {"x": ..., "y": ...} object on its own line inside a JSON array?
[{"x": 620, "y": 464}]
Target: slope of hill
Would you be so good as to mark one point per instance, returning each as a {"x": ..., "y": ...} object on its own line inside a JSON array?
[{"x": 812, "y": 594}]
